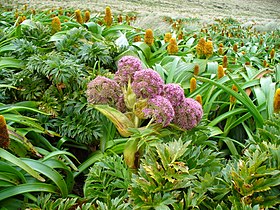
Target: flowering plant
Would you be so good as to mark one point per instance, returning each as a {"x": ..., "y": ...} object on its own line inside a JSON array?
[{"x": 136, "y": 94}]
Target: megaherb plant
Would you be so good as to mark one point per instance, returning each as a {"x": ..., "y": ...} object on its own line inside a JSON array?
[{"x": 137, "y": 95}]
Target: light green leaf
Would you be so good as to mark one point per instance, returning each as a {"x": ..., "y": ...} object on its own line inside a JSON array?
[
  {"x": 121, "y": 122},
  {"x": 18, "y": 162}
]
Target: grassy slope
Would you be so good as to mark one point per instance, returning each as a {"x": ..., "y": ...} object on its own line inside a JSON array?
[{"x": 257, "y": 10}]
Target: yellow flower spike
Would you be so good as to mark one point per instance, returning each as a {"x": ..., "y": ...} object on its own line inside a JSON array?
[
  {"x": 198, "y": 98},
  {"x": 192, "y": 84},
  {"x": 167, "y": 37},
  {"x": 196, "y": 69},
  {"x": 21, "y": 19},
  {"x": 137, "y": 38},
  {"x": 149, "y": 37},
  {"x": 264, "y": 63},
  {"x": 180, "y": 36},
  {"x": 225, "y": 61},
  {"x": 108, "y": 19},
  {"x": 200, "y": 47},
  {"x": 235, "y": 48},
  {"x": 4, "y": 135},
  {"x": 220, "y": 72},
  {"x": 60, "y": 11},
  {"x": 272, "y": 54},
  {"x": 78, "y": 16},
  {"x": 221, "y": 51},
  {"x": 127, "y": 19},
  {"x": 276, "y": 101},
  {"x": 16, "y": 14},
  {"x": 261, "y": 42},
  {"x": 120, "y": 19},
  {"x": 87, "y": 16},
  {"x": 172, "y": 48},
  {"x": 208, "y": 49},
  {"x": 56, "y": 25},
  {"x": 232, "y": 99}
]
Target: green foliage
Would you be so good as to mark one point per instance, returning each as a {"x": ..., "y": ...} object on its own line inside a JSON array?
[
  {"x": 165, "y": 179},
  {"x": 108, "y": 181},
  {"x": 46, "y": 202}
]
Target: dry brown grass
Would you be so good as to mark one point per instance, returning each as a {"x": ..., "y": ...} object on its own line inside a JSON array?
[{"x": 259, "y": 11}]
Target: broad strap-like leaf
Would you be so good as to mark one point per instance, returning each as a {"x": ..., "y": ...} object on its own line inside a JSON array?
[
  {"x": 18, "y": 162},
  {"x": 25, "y": 188},
  {"x": 121, "y": 122}
]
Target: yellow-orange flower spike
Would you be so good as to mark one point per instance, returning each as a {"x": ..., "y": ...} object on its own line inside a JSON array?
[
  {"x": 87, "y": 16},
  {"x": 137, "y": 38},
  {"x": 200, "y": 47},
  {"x": 33, "y": 11},
  {"x": 221, "y": 51},
  {"x": 172, "y": 48},
  {"x": 120, "y": 19},
  {"x": 127, "y": 19},
  {"x": 4, "y": 135},
  {"x": 192, "y": 84},
  {"x": 60, "y": 11},
  {"x": 198, "y": 98},
  {"x": 276, "y": 101},
  {"x": 232, "y": 99},
  {"x": 16, "y": 14},
  {"x": 167, "y": 37},
  {"x": 208, "y": 49},
  {"x": 78, "y": 16},
  {"x": 264, "y": 63},
  {"x": 196, "y": 69},
  {"x": 56, "y": 25},
  {"x": 108, "y": 19},
  {"x": 149, "y": 37},
  {"x": 225, "y": 61},
  {"x": 235, "y": 48},
  {"x": 261, "y": 42},
  {"x": 272, "y": 53},
  {"x": 180, "y": 36},
  {"x": 220, "y": 72}
]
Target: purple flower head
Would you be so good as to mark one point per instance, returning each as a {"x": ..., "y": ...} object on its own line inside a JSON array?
[
  {"x": 188, "y": 114},
  {"x": 127, "y": 66},
  {"x": 160, "y": 109},
  {"x": 102, "y": 90},
  {"x": 120, "y": 104},
  {"x": 147, "y": 84},
  {"x": 174, "y": 93}
]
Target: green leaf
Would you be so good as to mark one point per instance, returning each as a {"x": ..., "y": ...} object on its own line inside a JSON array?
[
  {"x": 25, "y": 188},
  {"x": 89, "y": 162},
  {"x": 7, "y": 62},
  {"x": 18, "y": 162},
  {"x": 50, "y": 173},
  {"x": 57, "y": 153},
  {"x": 244, "y": 99},
  {"x": 121, "y": 122}
]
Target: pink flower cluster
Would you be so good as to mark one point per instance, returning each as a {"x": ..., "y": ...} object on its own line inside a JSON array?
[
  {"x": 160, "y": 109},
  {"x": 102, "y": 90},
  {"x": 147, "y": 84},
  {"x": 166, "y": 103},
  {"x": 127, "y": 66}
]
